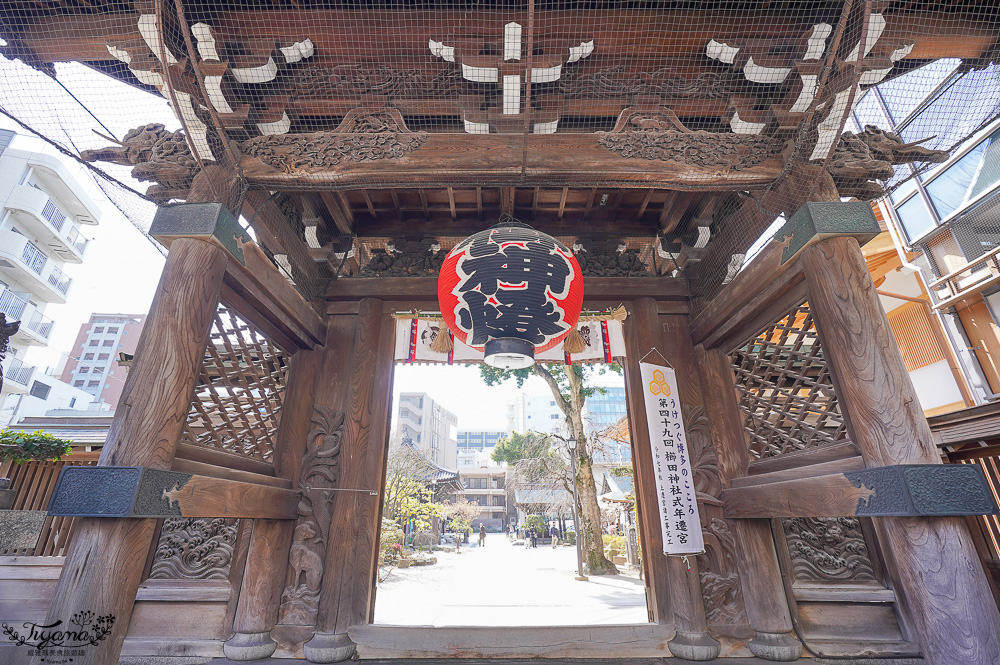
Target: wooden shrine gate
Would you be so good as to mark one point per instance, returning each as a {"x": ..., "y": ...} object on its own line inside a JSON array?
[{"x": 245, "y": 406}]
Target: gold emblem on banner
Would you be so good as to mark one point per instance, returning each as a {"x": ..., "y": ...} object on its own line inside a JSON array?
[{"x": 658, "y": 386}]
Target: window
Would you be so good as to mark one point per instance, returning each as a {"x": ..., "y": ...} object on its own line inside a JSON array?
[
  {"x": 72, "y": 402},
  {"x": 93, "y": 384},
  {"x": 40, "y": 390},
  {"x": 976, "y": 172},
  {"x": 915, "y": 217},
  {"x": 554, "y": 416},
  {"x": 89, "y": 356},
  {"x": 102, "y": 356},
  {"x": 84, "y": 369},
  {"x": 78, "y": 384},
  {"x": 99, "y": 330},
  {"x": 112, "y": 331},
  {"x": 93, "y": 342},
  {"x": 108, "y": 342}
]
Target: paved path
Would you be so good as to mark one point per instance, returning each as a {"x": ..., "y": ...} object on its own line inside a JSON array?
[{"x": 501, "y": 584}]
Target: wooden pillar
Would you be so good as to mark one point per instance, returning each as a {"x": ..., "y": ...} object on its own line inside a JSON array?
[
  {"x": 267, "y": 560},
  {"x": 104, "y": 566},
  {"x": 941, "y": 585},
  {"x": 760, "y": 576},
  {"x": 360, "y": 387},
  {"x": 673, "y": 587}
]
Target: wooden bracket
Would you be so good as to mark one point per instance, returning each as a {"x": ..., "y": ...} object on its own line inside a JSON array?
[
  {"x": 137, "y": 491},
  {"x": 208, "y": 221},
  {"x": 816, "y": 221},
  {"x": 903, "y": 490}
]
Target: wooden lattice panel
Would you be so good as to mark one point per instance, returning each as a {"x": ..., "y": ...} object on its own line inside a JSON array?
[
  {"x": 786, "y": 394},
  {"x": 237, "y": 402}
]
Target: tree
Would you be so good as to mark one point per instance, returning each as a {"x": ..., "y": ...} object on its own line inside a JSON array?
[
  {"x": 534, "y": 463},
  {"x": 570, "y": 386},
  {"x": 406, "y": 494}
]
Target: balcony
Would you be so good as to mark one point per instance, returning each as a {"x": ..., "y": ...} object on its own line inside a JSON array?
[
  {"x": 17, "y": 376},
  {"x": 32, "y": 268},
  {"x": 42, "y": 217},
  {"x": 36, "y": 328}
]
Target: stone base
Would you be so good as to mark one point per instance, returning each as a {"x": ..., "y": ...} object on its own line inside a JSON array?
[
  {"x": 781, "y": 647},
  {"x": 19, "y": 529},
  {"x": 694, "y": 646},
  {"x": 249, "y": 646},
  {"x": 329, "y": 648}
]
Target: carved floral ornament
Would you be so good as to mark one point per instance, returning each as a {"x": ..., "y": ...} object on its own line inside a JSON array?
[
  {"x": 659, "y": 135},
  {"x": 361, "y": 136}
]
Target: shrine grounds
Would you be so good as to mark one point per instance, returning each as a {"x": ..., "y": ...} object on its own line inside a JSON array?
[{"x": 502, "y": 584}]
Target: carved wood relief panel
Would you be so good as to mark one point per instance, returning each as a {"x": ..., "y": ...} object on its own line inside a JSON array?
[
  {"x": 720, "y": 581},
  {"x": 828, "y": 549},
  {"x": 320, "y": 470},
  {"x": 195, "y": 549}
]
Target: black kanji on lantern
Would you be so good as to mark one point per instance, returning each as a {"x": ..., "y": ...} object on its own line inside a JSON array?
[{"x": 508, "y": 278}]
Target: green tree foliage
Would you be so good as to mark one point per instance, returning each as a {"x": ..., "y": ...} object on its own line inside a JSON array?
[
  {"x": 31, "y": 446},
  {"x": 516, "y": 447},
  {"x": 407, "y": 495},
  {"x": 571, "y": 385}
]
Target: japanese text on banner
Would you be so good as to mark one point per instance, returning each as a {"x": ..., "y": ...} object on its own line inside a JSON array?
[{"x": 675, "y": 492}]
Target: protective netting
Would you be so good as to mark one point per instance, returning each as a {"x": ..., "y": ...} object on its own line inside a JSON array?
[{"x": 678, "y": 129}]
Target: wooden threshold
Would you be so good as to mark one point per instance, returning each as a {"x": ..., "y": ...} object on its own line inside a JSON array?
[{"x": 619, "y": 642}]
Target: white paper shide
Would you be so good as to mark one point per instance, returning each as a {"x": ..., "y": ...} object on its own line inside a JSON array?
[{"x": 675, "y": 492}]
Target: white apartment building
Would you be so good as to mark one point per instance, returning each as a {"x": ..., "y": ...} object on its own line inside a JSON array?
[
  {"x": 43, "y": 211},
  {"x": 432, "y": 428},
  {"x": 485, "y": 484},
  {"x": 535, "y": 413}
]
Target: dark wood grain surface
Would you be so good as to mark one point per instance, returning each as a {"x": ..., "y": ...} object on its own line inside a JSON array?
[{"x": 946, "y": 596}]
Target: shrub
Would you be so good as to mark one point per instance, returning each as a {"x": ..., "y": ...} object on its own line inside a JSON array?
[
  {"x": 390, "y": 541},
  {"x": 536, "y": 521},
  {"x": 27, "y": 446}
]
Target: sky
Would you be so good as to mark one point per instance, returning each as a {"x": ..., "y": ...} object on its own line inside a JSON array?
[
  {"x": 459, "y": 389},
  {"x": 121, "y": 266}
]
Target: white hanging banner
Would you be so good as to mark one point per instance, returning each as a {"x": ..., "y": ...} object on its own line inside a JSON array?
[
  {"x": 675, "y": 492},
  {"x": 604, "y": 341}
]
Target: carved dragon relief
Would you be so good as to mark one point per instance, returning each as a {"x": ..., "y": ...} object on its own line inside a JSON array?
[
  {"x": 157, "y": 155},
  {"x": 720, "y": 580},
  {"x": 406, "y": 258},
  {"x": 828, "y": 549},
  {"x": 195, "y": 549},
  {"x": 362, "y": 136},
  {"x": 320, "y": 470},
  {"x": 660, "y": 135},
  {"x": 862, "y": 158},
  {"x": 609, "y": 258}
]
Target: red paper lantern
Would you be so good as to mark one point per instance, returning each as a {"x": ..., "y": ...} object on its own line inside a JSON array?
[{"x": 510, "y": 291}]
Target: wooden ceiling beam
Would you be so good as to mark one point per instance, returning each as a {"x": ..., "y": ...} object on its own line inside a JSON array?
[
  {"x": 342, "y": 217},
  {"x": 358, "y": 35}
]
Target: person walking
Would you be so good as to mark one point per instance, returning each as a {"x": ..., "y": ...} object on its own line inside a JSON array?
[
  {"x": 554, "y": 534},
  {"x": 482, "y": 535},
  {"x": 534, "y": 538}
]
